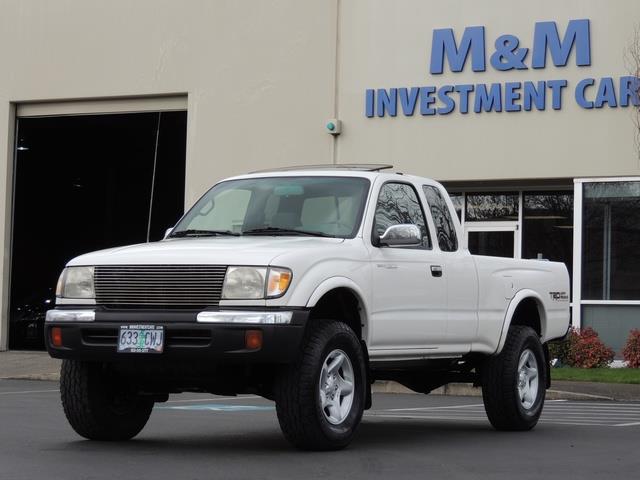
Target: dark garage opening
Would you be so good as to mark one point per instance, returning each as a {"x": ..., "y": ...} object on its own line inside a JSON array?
[{"x": 85, "y": 183}]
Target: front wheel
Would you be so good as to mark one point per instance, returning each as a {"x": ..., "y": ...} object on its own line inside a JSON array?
[
  {"x": 514, "y": 382},
  {"x": 99, "y": 405},
  {"x": 320, "y": 399}
]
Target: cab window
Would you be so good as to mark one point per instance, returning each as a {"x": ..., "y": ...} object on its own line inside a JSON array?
[
  {"x": 398, "y": 204},
  {"x": 445, "y": 229}
]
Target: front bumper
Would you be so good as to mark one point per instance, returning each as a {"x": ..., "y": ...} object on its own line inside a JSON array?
[{"x": 84, "y": 338}]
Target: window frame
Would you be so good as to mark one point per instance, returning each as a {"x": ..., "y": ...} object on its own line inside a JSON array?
[{"x": 577, "y": 300}]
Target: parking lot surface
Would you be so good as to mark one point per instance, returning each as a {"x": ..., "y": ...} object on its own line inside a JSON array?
[{"x": 199, "y": 436}]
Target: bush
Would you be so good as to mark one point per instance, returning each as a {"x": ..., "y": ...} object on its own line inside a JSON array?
[
  {"x": 631, "y": 350},
  {"x": 559, "y": 349},
  {"x": 582, "y": 349},
  {"x": 586, "y": 350}
]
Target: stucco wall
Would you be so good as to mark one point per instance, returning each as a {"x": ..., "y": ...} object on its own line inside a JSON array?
[
  {"x": 261, "y": 79},
  {"x": 388, "y": 44},
  {"x": 259, "y": 76}
]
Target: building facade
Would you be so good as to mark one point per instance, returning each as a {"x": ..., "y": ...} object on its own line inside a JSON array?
[{"x": 114, "y": 116}]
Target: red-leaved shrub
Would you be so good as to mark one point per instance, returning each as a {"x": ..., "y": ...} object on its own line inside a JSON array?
[
  {"x": 631, "y": 350},
  {"x": 586, "y": 350}
]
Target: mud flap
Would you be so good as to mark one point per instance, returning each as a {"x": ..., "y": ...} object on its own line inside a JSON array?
[{"x": 547, "y": 364}]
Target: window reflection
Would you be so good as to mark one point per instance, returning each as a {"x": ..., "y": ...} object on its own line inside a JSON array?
[
  {"x": 445, "y": 231},
  {"x": 491, "y": 207},
  {"x": 547, "y": 230},
  {"x": 611, "y": 237},
  {"x": 458, "y": 203},
  {"x": 494, "y": 244},
  {"x": 397, "y": 204}
]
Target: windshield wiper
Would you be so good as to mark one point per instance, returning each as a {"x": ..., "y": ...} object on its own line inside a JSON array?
[
  {"x": 285, "y": 231},
  {"x": 203, "y": 233}
]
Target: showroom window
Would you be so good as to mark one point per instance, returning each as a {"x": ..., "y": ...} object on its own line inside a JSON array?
[
  {"x": 535, "y": 223},
  {"x": 610, "y": 241},
  {"x": 500, "y": 207},
  {"x": 547, "y": 225}
]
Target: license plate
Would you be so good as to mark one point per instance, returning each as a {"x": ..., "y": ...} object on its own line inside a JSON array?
[{"x": 141, "y": 339}]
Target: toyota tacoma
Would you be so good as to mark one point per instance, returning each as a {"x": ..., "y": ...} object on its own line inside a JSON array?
[{"x": 305, "y": 286}]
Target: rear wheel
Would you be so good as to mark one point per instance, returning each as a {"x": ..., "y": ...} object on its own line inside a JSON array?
[
  {"x": 514, "y": 382},
  {"x": 320, "y": 398},
  {"x": 98, "y": 405}
]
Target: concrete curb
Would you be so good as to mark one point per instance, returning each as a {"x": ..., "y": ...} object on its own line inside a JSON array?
[{"x": 50, "y": 377}]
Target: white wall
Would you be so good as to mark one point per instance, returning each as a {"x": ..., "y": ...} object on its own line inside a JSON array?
[
  {"x": 387, "y": 44},
  {"x": 260, "y": 75}
]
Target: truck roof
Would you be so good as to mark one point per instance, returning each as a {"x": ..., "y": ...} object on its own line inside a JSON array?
[
  {"x": 361, "y": 167},
  {"x": 369, "y": 170}
]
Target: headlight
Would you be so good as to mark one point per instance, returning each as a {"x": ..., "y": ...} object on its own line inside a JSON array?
[
  {"x": 255, "y": 283},
  {"x": 244, "y": 283},
  {"x": 76, "y": 282}
]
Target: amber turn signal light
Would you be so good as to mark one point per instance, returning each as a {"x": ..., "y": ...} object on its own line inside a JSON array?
[
  {"x": 253, "y": 339},
  {"x": 56, "y": 336}
]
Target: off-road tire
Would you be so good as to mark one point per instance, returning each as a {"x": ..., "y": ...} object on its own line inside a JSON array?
[
  {"x": 298, "y": 403},
  {"x": 500, "y": 382},
  {"x": 95, "y": 406}
]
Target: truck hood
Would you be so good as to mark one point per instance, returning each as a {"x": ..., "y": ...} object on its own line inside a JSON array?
[{"x": 250, "y": 250}]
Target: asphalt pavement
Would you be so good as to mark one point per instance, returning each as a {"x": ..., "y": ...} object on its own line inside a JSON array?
[{"x": 197, "y": 436}]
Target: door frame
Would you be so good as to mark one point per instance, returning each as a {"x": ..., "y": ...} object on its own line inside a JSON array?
[
  {"x": 62, "y": 107},
  {"x": 496, "y": 227}
]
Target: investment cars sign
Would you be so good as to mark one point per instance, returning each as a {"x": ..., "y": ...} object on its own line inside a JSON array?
[{"x": 470, "y": 51}]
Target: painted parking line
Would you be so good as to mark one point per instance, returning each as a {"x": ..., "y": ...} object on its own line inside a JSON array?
[
  {"x": 475, "y": 419},
  {"x": 610, "y": 414},
  {"x": 209, "y": 398},
  {"x": 418, "y": 409},
  {"x": 556, "y": 412}
]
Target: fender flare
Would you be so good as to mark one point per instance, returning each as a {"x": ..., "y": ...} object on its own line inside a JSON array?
[
  {"x": 342, "y": 282},
  {"x": 511, "y": 309}
]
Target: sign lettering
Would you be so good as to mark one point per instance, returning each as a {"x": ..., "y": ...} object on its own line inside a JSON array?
[{"x": 469, "y": 51}]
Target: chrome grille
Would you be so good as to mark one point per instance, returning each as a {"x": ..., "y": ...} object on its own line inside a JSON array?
[{"x": 159, "y": 285}]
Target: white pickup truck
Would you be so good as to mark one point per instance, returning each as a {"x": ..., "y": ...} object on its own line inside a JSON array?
[{"x": 305, "y": 286}]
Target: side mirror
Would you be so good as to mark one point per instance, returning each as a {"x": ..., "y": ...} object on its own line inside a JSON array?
[
  {"x": 167, "y": 232},
  {"x": 404, "y": 235}
]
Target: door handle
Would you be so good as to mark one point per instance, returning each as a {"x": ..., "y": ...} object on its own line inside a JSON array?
[{"x": 436, "y": 270}]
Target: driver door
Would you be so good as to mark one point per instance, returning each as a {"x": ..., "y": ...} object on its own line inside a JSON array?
[{"x": 409, "y": 304}]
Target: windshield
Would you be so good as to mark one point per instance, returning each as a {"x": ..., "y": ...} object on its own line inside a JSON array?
[{"x": 323, "y": 206}]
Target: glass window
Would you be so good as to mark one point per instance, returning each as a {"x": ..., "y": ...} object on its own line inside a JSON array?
[
  {"x": 230, "y": 206},
  {"x": 458, "y": 201},
  {"x": 491, "y": 207},
  {"x": 611, "y": 240},
  {"x": 492, "y": 243},
  {"x": 445, "y": 229},
  {"x": 330, "y": 206},
  {"x": 397, "y": 204},
  {"x": 547, "y": 230}
]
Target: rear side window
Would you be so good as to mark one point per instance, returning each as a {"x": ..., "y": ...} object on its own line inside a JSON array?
[{"x": 445, "y": 229}]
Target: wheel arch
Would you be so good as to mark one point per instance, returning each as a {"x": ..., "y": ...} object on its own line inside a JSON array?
[
  {"x": 346, "y": 290},
  {"x": 526, "y": 308}
]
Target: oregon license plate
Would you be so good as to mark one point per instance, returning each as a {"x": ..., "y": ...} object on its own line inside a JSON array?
[{"x": 141, "y": 339}]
